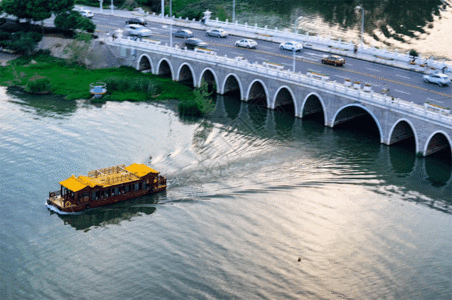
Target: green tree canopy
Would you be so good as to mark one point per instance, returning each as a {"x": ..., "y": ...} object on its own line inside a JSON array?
[
  {"x": 73, "y": 20},
  {"x": 35, "y": 10}
]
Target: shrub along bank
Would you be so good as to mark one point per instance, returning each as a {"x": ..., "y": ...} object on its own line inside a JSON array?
[{"x": 42, "y": 73}]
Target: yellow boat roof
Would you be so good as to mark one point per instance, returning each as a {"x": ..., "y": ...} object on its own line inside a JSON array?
[
  {"x": 107, "y": 177},
  {"x": 140, "y": 169}
]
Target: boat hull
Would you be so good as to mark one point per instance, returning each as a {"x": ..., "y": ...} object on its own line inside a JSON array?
[{"x": 55, "y": 203}]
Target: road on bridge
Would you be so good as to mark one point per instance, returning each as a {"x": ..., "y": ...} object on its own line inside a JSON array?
[{"x": 404, "y": 84}]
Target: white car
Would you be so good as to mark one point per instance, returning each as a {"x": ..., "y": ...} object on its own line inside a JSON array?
[
  {"x": 137, "y": 30},
  {"x": 291, "y": 46},
  {"x": 86, "y": 13},
  {"x": 439, "y": 79},
  {"x": 217, "y": 32},
  {"x": 246, "y": 43}
]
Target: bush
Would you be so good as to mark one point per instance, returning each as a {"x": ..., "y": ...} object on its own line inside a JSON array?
[
  {"x": 38, "y": 85},
  {"x": 116, "y": 83},
  {"x": 23, "y": 42},
  {"x": 200, "y": 105},
  {"x": 189, "y": 108},
  {"x": 414, "y": 53}
]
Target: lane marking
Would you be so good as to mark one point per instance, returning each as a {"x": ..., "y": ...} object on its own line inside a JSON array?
[
  {"x": 403, "y": 92},
  {"x": 375, "y": 70},
  {"x": 435, "y": 100},
  {"x": 307, "y": 58},
  {"x": 403, "y": 76},
  {"x": 314, "y": 54}
]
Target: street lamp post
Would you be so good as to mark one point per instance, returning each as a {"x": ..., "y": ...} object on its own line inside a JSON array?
[
  {"x": 233, "y": 11},
  {"x": 112, "y": 6},
  {"x": 295, "y": 24},
  {"x": 362, "y": 24},
  {"x": 163, "y": 8},
  {"x": 171, "y": 22}
]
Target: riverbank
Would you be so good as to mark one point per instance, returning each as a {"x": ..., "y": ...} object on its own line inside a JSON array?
[{"x": 73, "y": 80}]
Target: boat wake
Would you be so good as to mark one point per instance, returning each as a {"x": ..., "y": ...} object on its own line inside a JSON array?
[{"x": 56, "y": 210}]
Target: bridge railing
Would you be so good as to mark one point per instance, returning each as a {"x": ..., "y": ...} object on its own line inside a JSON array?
[{"x": 244, "y": 65}]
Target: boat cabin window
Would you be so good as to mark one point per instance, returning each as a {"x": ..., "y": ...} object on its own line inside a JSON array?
[
  {"x": 116, "y": 191},
  {"x": 126, "y": 188},
  {"x": 137, "y": 186},
  {"x": 145, "y": 186},
  {"x": 65, "y": 191}
]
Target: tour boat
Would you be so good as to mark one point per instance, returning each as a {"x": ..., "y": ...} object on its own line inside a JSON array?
[{"x": 105, "y": 186}]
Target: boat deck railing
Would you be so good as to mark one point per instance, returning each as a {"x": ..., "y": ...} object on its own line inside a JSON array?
[
  {"x": 107, "y": 171},
  {"x": 54, "y": 194}
]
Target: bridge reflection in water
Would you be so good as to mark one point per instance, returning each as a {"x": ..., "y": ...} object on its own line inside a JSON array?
[
  {"x": 395, "y": 120},
  {"x": 400, "y": 159}
]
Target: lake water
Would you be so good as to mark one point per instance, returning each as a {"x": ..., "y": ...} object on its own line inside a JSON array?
[
  {"x": 393, "y": 24},
  {"x": 259, "y": 206}
]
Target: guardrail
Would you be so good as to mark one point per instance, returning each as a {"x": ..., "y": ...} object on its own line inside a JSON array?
[{"x": 321, "y": 82}]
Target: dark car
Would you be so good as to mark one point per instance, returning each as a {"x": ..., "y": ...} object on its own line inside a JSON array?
[
  {"x": 333, "y": 60},
  {"x": 139, "y": 21},
  {"x": 193, "y": 43},
  {"x": 183, "y": 33}
]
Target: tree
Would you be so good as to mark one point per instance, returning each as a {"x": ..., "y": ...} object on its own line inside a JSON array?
[
  {"x": 35, "y": 10},
  {"x": 73, "y": 20},
  {"x": 23, "y": 42}
]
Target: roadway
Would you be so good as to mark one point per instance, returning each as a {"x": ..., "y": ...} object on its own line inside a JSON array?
[{"x": 404, "y": 84}]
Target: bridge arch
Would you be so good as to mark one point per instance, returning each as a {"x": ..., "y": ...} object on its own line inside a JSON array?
[
  {"x": 281, "y": 98},
  {"x": 210, "y": 77},
  {"x": 353, "y": 115},
  {"x": 256, "y": 90},
  {"x": 231, "y": 83},
  {"x": 144, "y": 63},
  {"x": 165, "y": 68},
  {"x": 311, "y": 104},
  {"x": 187, "y": 73},
  {"x": 401, "y": 130},
  {"x": 436, "y": 142}
]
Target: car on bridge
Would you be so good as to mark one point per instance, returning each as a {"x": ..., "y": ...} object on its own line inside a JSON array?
[
  {"x": 183, "y": 33},
  {"x": 137, "y": 30},
  {"x": 139, "y": 21},
  {"x": 334, "y": 60},
  {"x": 291, "y": 46},
  {"x": 84, "y": 12},
  {"x": 439, "y": 79},
  {"x": 193, "y": 43},
  {"x": 246, "y": 43},
  {"x": 218, "y": 32}
]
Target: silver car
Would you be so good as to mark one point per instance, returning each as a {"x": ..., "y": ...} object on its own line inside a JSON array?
[
  {"x": 291, "y": 46},
  {"x": 246, "y": 43},
  {"x": 86, "y": 13},
  {"x": 183, "y": 33},
  {"x": 217, "y": 33},
  {"x": 439, "y": 79},
  {"x": 137, "y": 30}
]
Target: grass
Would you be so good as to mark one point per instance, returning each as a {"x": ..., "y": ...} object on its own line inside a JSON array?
[
  {"x": 40, "y": 72},
  {"x": 72, "y": 81}
]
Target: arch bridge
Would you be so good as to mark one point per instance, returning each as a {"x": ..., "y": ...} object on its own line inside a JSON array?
[{"x": 303, "y": 94}]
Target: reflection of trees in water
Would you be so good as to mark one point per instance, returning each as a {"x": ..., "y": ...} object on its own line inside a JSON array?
[
  {"x": 45, "y": 105},
  {"x": 404, "y": 16}
]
